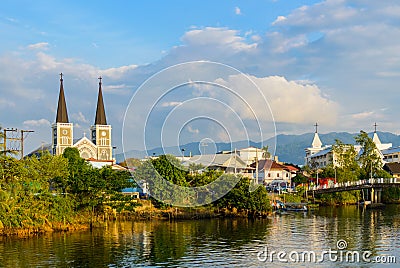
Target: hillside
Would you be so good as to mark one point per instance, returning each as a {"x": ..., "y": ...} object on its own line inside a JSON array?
[{"x": 289, "y": 148}]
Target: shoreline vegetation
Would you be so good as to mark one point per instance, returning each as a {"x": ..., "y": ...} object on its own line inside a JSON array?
[{"x": 65, "y": 193}]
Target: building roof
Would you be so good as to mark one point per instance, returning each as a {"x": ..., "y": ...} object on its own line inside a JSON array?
[
  {"x": 268, "y": 164},
  {"x": 62, "y": 114},
  {"x": 100, "y": 111},
  {"x": 393, "y": 168},
  {"x": 323, "y": 152},
  {"x": 391, "y": 151},
  {"x": 218, "y": 160},
  {"x": 292, "y": 168}
]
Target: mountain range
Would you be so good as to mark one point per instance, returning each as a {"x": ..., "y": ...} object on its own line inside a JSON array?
[{"x": 289, "y": 148}]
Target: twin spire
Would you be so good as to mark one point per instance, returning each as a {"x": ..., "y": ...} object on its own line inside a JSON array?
[
  {"x": 62, "y": 114},
  {"x": 100, "y": 112}
]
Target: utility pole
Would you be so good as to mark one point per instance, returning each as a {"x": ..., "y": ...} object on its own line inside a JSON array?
[
  {"x": 257, "y": 166},
  {"x": 22, "y": 141},
  {"x": 5, "y": 138}
]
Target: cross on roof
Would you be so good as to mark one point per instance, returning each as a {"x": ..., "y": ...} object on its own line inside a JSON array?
[
  {"x": 316, "y": 127},
  {"x": 375, "y": 125},
  {"x": 61, "y": 76},
  {"x": 100, "y": 79}
]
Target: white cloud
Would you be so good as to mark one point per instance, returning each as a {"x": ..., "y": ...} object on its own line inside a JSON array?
[
  {"x": 193, "y": 130},
  {"x": 38, "y": 46},
  {"x": 238, "y": 11},
  {"x": 37, "y": 123},
  {"x": 219, "y": 38},
  {"x": 290, "y": 102},
  {"x": 279, "y": 19},
  {"x": 116, "y": 73},
  {"x": 79, "y": 117},
  {"x": 171, "y": 104},
  {"x": 363, "y": 115}
]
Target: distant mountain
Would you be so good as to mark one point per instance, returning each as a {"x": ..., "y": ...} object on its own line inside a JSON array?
[{"x": 289, "y": 148}]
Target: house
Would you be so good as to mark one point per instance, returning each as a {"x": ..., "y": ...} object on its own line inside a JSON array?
[
  {"x": 270, "y": 170},
  {"x": 250, "y": 154},
  {"x": 228, "y": 163},
  {"x": 393, "y": 168},
  {"x": 391, "y": 155}
]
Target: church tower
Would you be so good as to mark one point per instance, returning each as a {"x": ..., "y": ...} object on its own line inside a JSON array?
[
  {"x": 62, "y": 130},
  {"x": 101, "y": 132},
  {"x": 316, "y": 146}
]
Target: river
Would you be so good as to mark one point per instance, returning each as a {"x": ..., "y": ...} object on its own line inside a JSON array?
[{"x": 327, "y": 237}]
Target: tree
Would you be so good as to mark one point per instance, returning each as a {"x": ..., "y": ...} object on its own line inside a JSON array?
[
  {"x": 300, "y": 178},
  {"x": 369, "y": 159},
  {"x": 345, "y": 162},
  {"x": 265, "y": 153}
]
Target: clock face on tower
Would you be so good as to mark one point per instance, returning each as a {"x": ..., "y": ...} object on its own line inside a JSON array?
[
  {"x": 64, "y": 132},
  {"x": 103, "y": 133}
]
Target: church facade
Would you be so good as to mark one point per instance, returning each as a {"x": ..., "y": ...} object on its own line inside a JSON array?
[{"x": 96, "y": 148}]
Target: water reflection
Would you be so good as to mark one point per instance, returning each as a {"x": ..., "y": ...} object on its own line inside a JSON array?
[{"x": 217, "y": 242}]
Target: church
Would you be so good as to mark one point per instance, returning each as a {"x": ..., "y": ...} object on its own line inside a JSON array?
[{"x": 98, "y": 148}]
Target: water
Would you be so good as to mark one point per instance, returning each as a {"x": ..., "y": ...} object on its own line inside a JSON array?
[{"x": 216, "y": 242}]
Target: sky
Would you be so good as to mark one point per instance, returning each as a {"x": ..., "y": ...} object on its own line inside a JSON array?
[{"x": 271, "y": 66}]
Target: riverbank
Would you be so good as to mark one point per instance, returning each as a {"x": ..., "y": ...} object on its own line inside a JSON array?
[{"x": 146, "y": 211}]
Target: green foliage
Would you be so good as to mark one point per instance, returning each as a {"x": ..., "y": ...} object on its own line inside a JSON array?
[
  {"x": 265, "y": 153},
  {"x": 39, "y": 191},
  {"x": 390, "y": 195},
  {"x": 369, "y": 159},
  {"x": 300, "y": 178},
  {"x": 341, "y": 198},
  {"x": 241, "y": 198},
  {"x": 347, "y": 168}
]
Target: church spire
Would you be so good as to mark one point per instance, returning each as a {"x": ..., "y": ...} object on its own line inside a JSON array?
[
  {"x": 62, "y": 114},
  {"x": 375, "y": 137},
  {"x": 100, "y": 112},
  {"x": 316, "y": 143}
]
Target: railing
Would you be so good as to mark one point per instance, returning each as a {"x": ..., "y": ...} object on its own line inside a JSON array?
[{"x": 369, "y": 182}]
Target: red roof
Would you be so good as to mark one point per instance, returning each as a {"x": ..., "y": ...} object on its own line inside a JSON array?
[
  {"x": 291, "y": 168},
  {"x": 268, "y": 164}
]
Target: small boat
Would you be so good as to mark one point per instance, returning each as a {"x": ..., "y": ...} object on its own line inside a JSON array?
[{"x": 301, "y": 207}]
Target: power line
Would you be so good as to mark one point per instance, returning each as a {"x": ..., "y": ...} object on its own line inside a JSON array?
[{"x": 14, "y": 144}]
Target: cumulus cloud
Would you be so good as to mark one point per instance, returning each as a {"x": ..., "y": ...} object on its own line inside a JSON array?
[
  {"x": 217, "y": 37},
  {"x": 37, "y": 123},
  {"x": 290, "y": 101},
  {"x": 38, "y": 46},
  {"x": 116, "y": 73}
]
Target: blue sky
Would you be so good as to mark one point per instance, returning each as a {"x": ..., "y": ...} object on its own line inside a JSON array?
[{"x": 336, "y": 62}]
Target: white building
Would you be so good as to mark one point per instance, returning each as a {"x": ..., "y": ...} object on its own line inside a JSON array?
[
  {"x": 269, "y": 170},
  {"x": 321, "y": 156}
]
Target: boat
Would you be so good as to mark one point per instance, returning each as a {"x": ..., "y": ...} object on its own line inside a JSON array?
[{"x": 301, "y": 207}]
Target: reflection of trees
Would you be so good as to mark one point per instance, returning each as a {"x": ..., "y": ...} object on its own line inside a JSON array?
[
  {"x": 363, "y": 229},
  {"x": 165, "y": 243},
  {"x": 170, "y": 241}
]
